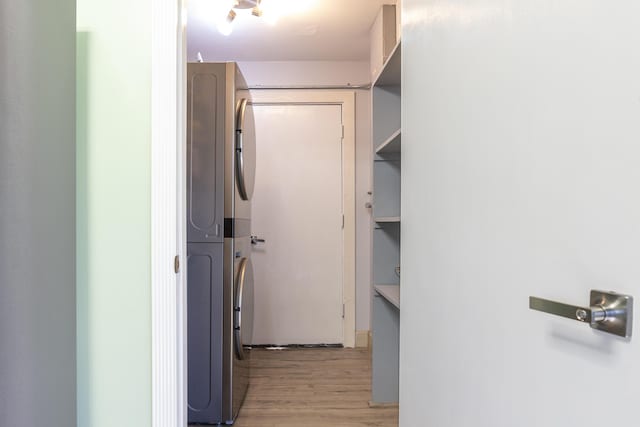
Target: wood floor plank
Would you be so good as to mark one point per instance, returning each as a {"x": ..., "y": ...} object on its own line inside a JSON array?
[{"x": 312, "y": 388}]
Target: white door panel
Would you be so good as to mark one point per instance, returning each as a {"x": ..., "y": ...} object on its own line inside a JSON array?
[
  {"x": 521, "y": 146},
  {"x": 297, "y": 209}
]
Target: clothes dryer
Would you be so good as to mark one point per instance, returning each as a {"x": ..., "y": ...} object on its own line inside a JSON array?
[{"x": 220, "y": 178}]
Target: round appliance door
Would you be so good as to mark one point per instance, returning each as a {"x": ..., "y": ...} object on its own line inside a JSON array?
[
  {"x": 245, "y": 149},
  {"x": 243, "y": 308}
]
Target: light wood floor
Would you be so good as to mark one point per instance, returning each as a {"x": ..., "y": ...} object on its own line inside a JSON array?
[{"x": 312, "y": 387}]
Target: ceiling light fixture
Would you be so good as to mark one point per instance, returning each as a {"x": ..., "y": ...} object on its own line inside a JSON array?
[
  {"x": 267, "y": 10},
  {"x": 254, "y": 5},
  {"x": 225, "y": 27}
]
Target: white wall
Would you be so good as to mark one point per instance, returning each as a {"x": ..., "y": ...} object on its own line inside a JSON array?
[
  {"x": 520, "y": 154},
  {"x": 305, "y": 73},
  {"x": 37, "y": 213},
  {"x": 325, "y": 73}
]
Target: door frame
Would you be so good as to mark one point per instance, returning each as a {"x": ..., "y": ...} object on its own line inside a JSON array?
[
  {"x": 346, "y": 100},
  {"x": 168, "y": 211}
]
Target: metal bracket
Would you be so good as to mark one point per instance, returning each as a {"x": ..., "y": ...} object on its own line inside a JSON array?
[{"x": 609, "y": 312}]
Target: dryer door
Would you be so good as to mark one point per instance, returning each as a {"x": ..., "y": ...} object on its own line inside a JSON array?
[
  {"x": 243, "y": 308},
  {"x": 245, "y": 149}
]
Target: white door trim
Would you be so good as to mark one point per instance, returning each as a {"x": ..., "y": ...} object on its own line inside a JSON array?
[
  {"x": 346, "y": 99},
  {"x": 168, "y": 207}
]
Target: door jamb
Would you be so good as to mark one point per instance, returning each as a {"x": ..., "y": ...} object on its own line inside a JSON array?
[
  {"x": 346, "y": 99},
  {"x": 168, "y": 208}
]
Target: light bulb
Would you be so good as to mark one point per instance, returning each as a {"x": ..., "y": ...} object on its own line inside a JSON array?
[
  {"x": 222, "y": 15},
  {"x": 225, "y": 28}
]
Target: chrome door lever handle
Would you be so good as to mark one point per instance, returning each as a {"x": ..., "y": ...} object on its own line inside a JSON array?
[
  {"x": 255, "y": 240},
  {"x": 608, "y": 311},
  {"x": 581, "y": 314}
]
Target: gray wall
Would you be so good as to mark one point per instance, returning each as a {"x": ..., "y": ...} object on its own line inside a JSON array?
[{"x": 37, "y": 213}]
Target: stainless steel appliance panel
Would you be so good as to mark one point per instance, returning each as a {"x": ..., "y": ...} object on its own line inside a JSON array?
[
  {"x": 239, "y": 381},
  {"x": 243, "y": 308},
  {"x": 205, "y": 331},
  {"x": 245, "y": 149},
  {"x": 219, "y": 375},
  {"x": 241, "y": 121},
  {"x": 205, "y": 151}
]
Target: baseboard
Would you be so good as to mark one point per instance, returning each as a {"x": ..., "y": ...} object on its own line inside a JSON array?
[
  {"x": 383, "y": 404},
  {"x": 363, "y": 339},
  {"x": 294, "y": 346}
]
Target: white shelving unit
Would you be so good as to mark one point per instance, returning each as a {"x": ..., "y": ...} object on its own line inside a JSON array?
[{"x": 387, "y": 143}]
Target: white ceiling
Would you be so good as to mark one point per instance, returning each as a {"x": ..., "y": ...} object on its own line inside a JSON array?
[{"x": 330, "y": 30}]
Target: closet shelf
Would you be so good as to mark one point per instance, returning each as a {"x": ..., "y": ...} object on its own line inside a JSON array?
[
  {"x": 391, "y": 72},
  {"x": 389, "y": 292},
  {"x": 387, "y": 219},
  {"x": 391, "y": 145}
]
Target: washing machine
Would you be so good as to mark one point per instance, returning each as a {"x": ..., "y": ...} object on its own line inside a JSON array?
[{"x": 220, "y": 180}]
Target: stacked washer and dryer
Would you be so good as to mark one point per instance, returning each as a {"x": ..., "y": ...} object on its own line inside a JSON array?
[{"x": 220, "y": 179}]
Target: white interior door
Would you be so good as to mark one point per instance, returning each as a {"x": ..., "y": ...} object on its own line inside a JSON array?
[
  {"x": 521, "y": 154},
  {"x": 297, "y": 210}
]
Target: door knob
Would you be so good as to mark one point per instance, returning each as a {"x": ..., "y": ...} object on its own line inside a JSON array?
[
  {"x": 255, "y": 240},
  {"x": 610, "y": 312}
]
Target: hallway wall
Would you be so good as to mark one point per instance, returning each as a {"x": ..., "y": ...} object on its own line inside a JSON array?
[
  {"x": 37, "y": 221},
  {"x": 113, "y": 211}
]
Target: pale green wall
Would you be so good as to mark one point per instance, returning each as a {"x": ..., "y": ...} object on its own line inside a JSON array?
[{"x": 113, "y": 213}]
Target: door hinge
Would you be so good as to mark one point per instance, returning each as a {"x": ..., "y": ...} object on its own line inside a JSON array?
[
  {"x": 343, "y": 222},
  {"x": 343, "y": 311},
  {"x": 342, "y": 136},
  {"x": 176, "y": 264}
]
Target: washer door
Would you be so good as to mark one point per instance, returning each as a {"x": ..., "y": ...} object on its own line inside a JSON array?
[
  {"x": 243, "y": 308},
  {"x": 245, "y": 149}
]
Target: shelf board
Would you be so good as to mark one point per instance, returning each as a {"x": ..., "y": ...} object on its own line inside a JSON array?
[
  {"x": 387, "y": 219},
  {"x": 391, "y": 72},
  {"x": 389, "y": 292},
  {"x": 392, "y": 144}
]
